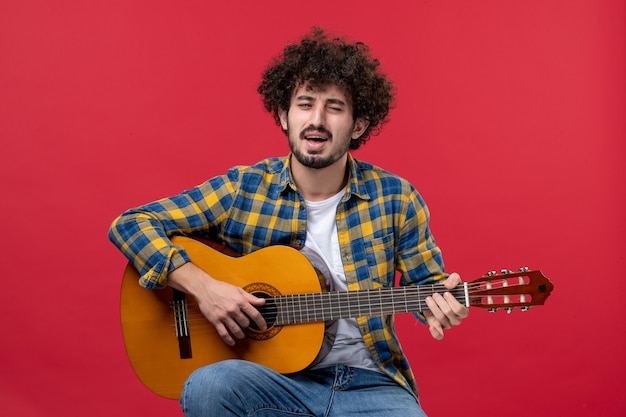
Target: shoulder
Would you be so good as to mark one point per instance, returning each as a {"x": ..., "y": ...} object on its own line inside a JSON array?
[
  {"x": 391, "y": 191},
  {"x": 382, "y": 180},
  {"x": 265, "y": 166},
  {"x": 266, "y": 176},
  {"x": 269, "y": 166}
]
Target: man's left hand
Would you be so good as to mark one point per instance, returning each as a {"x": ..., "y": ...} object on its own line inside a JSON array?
[{"x": 444, "y": 310}]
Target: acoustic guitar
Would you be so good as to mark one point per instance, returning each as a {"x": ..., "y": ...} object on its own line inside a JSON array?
[{"x": 167, "y": 337}]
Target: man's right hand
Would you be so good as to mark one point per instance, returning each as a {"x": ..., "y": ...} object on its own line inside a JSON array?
[{"x": 227, "y": 307}]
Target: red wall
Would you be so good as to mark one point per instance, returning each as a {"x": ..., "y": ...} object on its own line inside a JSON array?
[{"x": 509, "y": 120}]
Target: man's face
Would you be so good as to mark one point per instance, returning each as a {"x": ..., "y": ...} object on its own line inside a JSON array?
[{"x": 320, "y": 125}]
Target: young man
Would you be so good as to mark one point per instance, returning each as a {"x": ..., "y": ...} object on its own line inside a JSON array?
[{"x": 365, "y": 223}]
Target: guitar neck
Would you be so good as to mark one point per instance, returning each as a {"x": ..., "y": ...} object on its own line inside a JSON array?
[{"x": 315, "y": 307}]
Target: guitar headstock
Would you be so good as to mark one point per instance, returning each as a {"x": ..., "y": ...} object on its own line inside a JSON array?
[{"x": 508, "y": 290}]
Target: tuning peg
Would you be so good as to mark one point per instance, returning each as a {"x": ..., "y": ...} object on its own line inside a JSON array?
[
  {"x": 525, "y": 308},
  {"x": 508, "y": 310},
  {"x": 524, "y": 269},
  {"x": 490, "y": 273},
  {"x": 506, "y": 271},
  {"x": 492, "y": 310}
]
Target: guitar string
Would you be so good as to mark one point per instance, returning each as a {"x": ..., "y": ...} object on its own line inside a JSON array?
[
  {"x": 419, "y": 291},
  {"x": 195, "y": 317},
  {"x": 288, "y": 307},
  {"x": 298, "y": 310},
  {"x": 384, "y": 298},
  {"x": 388, "y": 296},
  {"x": 292, "y": 312}
]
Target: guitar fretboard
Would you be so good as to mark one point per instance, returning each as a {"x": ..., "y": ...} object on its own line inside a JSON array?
[{"x": 315, "y": 307}]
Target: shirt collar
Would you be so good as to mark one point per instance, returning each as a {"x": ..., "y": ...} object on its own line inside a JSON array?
[{"x": 356, "y": 185}]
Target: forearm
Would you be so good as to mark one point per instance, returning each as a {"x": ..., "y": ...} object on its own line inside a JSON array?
[
  {"x": 144, "y": 241},
  {"x": 142, "y": 233},
  {"x": 419, "y": 256},
  {"x": 189, "y": 279}
]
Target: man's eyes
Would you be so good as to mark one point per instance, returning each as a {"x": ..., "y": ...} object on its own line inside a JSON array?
[{"x": 308, "y": 106}]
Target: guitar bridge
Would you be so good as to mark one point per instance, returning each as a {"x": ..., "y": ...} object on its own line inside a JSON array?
[{"x": 181, "y": 322}]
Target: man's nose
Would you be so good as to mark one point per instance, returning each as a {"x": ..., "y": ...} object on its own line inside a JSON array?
[{"x": 318, "y": 116}]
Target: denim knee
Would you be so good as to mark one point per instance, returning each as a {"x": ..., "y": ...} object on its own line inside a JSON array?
[{"x": 209, "y": 387}]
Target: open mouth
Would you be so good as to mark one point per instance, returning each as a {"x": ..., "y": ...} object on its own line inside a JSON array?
[
  {"x": 315, "y": 138},
  {"x": 316, "y": 134}
]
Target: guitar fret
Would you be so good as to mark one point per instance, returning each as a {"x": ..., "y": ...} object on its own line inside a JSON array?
[
  {"x": 296, "y": 309},
  {"x": 336, "y": 311},
  {"x": 299, "y": 310},
  {"x": 304, "y": 318},
  {"x": 404, "y": 294},
  {"x": 320, "y": 307}
]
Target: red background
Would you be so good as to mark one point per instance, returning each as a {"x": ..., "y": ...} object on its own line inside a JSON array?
[{"x": 509, "y": 120}]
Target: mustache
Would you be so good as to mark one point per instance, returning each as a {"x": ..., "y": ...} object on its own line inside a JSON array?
[{"x": 320, "y": 129}]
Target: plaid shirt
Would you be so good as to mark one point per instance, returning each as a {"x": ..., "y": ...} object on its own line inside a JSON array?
[{"x": 382, "y": 226}]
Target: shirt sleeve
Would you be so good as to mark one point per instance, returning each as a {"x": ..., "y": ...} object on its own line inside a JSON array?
[
  {"x": 419, "y": 257},
  {"x": 142, "y": 233}
]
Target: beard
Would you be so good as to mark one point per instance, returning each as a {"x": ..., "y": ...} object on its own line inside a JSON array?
[{"x": 315, "y": 160}]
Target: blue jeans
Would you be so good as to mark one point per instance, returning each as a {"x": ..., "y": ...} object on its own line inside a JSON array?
[{"x": 244, "y": 389}]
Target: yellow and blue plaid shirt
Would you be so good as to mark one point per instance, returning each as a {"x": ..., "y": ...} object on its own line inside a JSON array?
[{"x": 382, "y": 226}]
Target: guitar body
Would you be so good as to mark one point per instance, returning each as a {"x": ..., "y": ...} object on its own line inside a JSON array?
[{"x": 148, "y": 323}]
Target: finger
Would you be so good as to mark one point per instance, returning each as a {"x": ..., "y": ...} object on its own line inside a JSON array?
[
  {"x": 450, "y": 312},
  {"x": 253, "y": 316},
  {"x": 241, "y": 319},
  {"x": 436, "y": 331},
  {"x": 228, "y": 327},
  {"x": 460, "y": 311},
  {"x": 452, "y": 281},
  {"x": 236, "y": 330},
  {"x": 224, "y": 334},
  {"x": 435, "y": 304},
  {"x": 254, "y": 300}
]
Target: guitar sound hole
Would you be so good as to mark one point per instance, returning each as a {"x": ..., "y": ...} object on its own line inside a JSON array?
[{"x": 267, "y": 310}]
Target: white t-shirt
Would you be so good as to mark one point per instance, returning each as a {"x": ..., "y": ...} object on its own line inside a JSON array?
[{"x": 348, "y": 347}]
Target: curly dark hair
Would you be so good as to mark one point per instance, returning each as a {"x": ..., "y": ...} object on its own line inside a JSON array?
[{"x": 319, "y": 61}]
